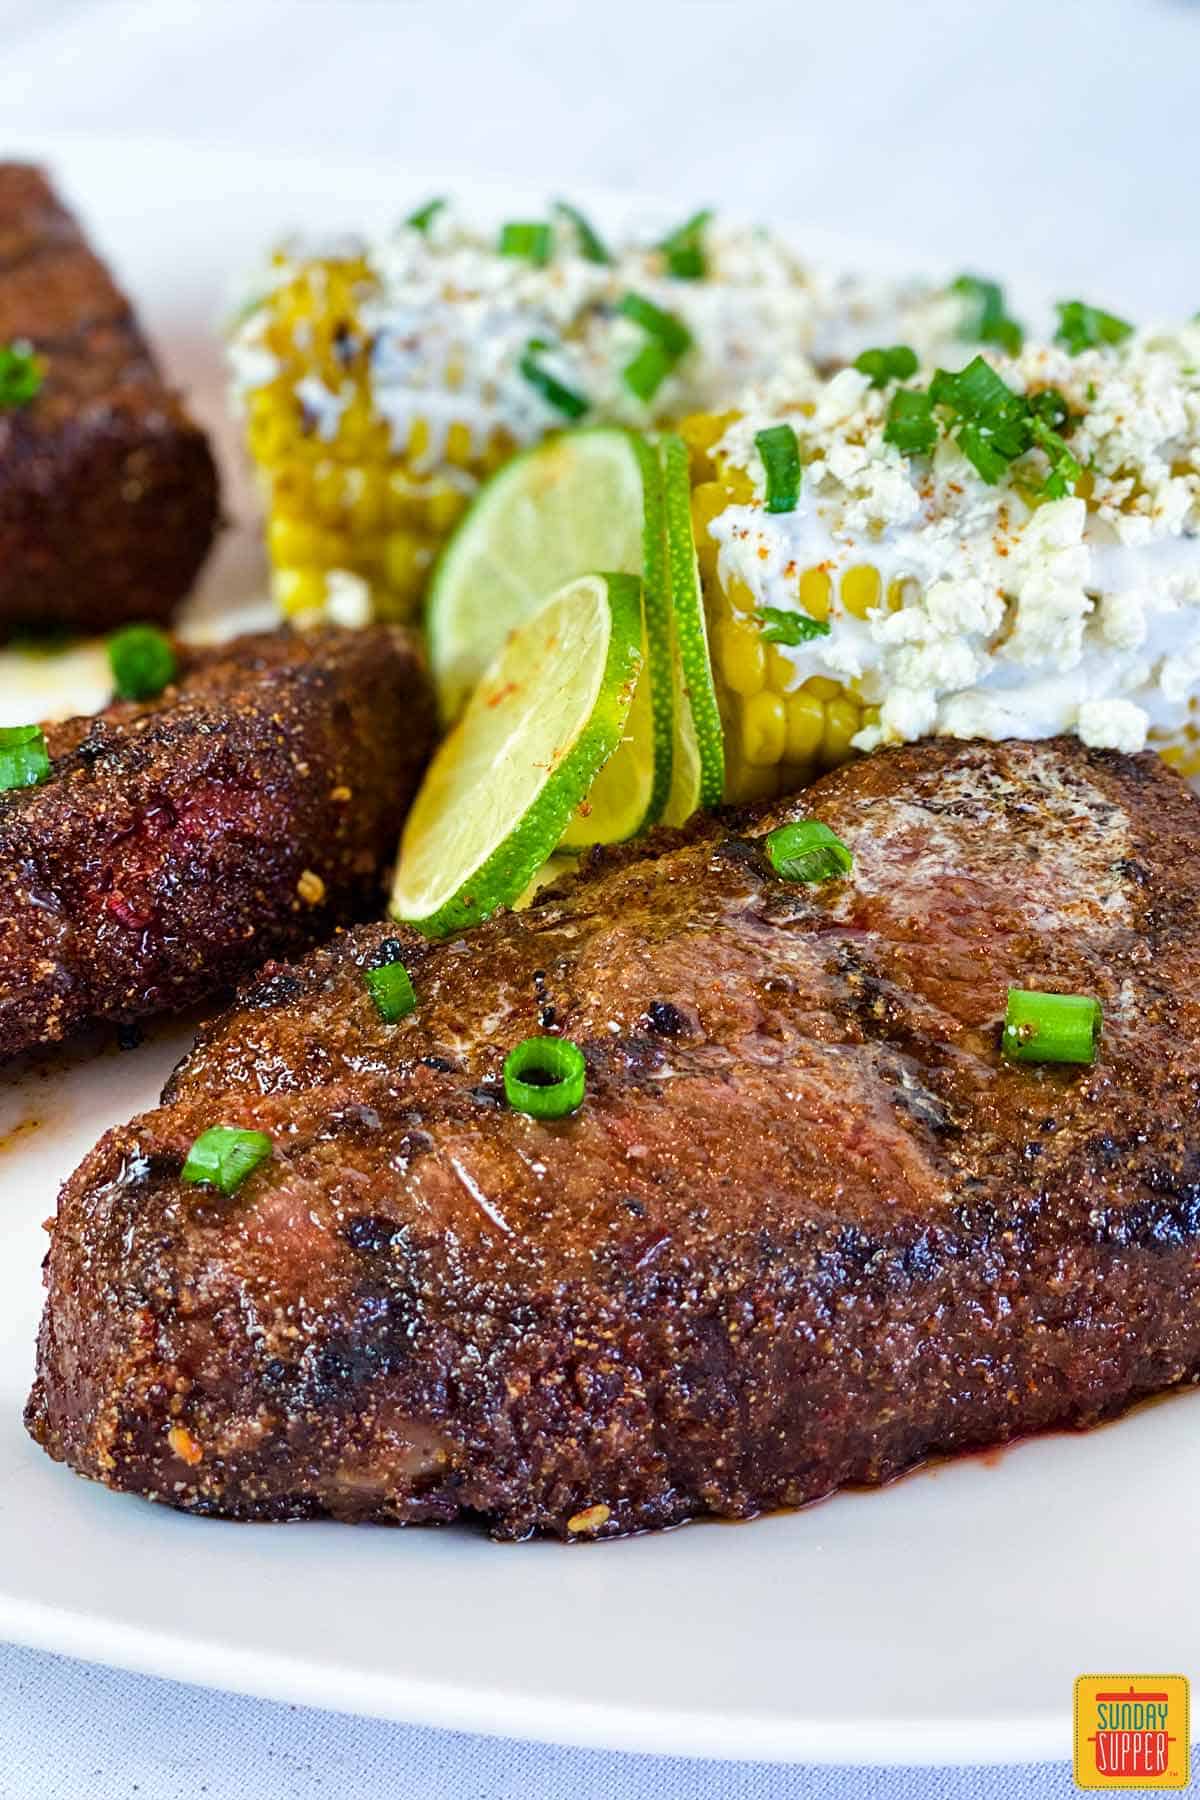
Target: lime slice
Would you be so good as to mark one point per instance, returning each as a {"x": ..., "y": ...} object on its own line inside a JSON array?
[
  {"x": 588, "y": 500},
  {"x": 698, "y": 775},
  {"x": 548, "y": 714}
]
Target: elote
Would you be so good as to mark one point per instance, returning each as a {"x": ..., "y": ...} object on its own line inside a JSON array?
[
  {"x": 1012, "y": 550},
  {"x": 380, "y": 384}
]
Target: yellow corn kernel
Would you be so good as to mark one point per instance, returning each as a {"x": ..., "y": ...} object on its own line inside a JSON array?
[
  {"x": 822, "y": 687},
  {"x": 367, "y": 496},
  {"x": 418, "y": 440},
  {"x": 764, "y": 730},
  {"x": 903, "y": 591},
  {"x": 744, "y": 781},
  {"x": 843, "y": 717},
  {"x": 740, "y": 657},
  {"x": 741, "y": 598},
  {"x": 406, "y": 560},
  {"x": 781, "y": 671},
  {"x": 709, "y": 500},
  {"x": 861, "y": 588},
  {"x": 444, "y": 508},
  {"x": 458, "y": 445},
  {"x": 738, "y": 484},
  {"x": 815, "y": 590},
  {"x": 805, "y": 726},
  {"x": 291, "y": 545},
  {"x": 297, "y": 591},
  {"x": 329, "y": 492},
  {"x": 700, "y": 432},
  {"x": 406, "y": 501}
]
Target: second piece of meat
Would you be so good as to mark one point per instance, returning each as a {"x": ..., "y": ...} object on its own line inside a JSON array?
[{"x": 250, "y": 809}]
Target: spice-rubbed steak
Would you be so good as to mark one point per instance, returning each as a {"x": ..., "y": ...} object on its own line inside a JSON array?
[
  {"x": 246, "y": 812},
  {"x": 806, "y": 1228},
  {"x": 108, "y": 491}
]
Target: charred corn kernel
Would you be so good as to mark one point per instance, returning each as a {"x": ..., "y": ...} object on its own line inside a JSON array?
[
  {"x": 764, "y": 729},
  {"x": 741, "y": 656},
  {"x": 843, "y": 717},
  {"x": 861, "y": 589},
  {"x": 805, "y": 726},
  {"x": 815, "y": 592}
]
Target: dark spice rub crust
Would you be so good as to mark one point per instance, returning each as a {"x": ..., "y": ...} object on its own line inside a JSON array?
[
  {"x": 807, "y": 1228},
  {"x": 251, "y": 808},
  {"x": 108, "y": 491}
]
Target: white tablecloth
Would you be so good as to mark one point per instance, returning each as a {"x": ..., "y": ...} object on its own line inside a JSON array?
[{"x": 1062, "y": 139}]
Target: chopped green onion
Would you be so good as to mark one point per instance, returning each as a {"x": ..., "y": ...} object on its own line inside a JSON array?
[
  {"x": 1065, "y": 469},
  {"x": 988, "y": 321},
  {"x": 1050, "y": 1027},
  {"x": 645, "y": 373},
  {"x": 20, "y": 374},
  {"x": 896, "y": 364},
  {"x": 782, "y": 627},
  {"x": 1083, "y": 327},
  {"x": 666, "y": 328},
  {"x": 781, "y": 459},
  {"x": 424, "y": 216},
  {"x": 911, "y": 426},
  {"x": 545, "y": 1077},
  {"x": 142, "y": 661},
  {"x": 684, "y": 248},
  {"x": 807, "y": 851},
  {"x": 669, "y": 338},
  {"x": 1051, "y": 408},
  {"x": 392, "y": 991},
  {"x": 531, "y": 239},
  {"x": 223, "y": 1156},
  {"x": 566, "y": 400},
  {"x": 24, "y": 759},
  {"x": 591, "y": 245}
]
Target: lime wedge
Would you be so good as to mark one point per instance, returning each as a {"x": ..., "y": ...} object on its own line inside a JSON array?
[
  {"x": 548, "y": 714},
  {"x": 698, "y": 773}
]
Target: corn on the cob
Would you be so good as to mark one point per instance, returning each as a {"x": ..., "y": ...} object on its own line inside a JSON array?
[
  {"x": 380, "y": 385},
  {"x": 1062, "y": 593}
]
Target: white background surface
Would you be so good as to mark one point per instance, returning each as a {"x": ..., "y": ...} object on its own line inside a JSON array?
[{"x": 1063, "y": 139}]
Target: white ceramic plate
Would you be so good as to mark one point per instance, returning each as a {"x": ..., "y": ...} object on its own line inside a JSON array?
[{"x": 941, "y": 1620}]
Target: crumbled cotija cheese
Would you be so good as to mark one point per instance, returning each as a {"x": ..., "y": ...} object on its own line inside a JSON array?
[{"x": 1021, "y": 616}]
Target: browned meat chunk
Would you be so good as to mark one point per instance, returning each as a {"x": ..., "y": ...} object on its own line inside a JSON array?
[
  {"x": 807, "y": 1227},
  {"x": 251, "y": 808},
  {"x": 108, "y": 492}
]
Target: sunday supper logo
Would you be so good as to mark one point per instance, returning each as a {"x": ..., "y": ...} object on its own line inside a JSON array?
[{"x": 1131, "y": 1731}]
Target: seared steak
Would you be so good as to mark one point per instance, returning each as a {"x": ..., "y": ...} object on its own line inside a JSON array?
[
  {"x": 108, "y": 491},
  {"x": 247, "y": 811},
  {"x": 807, "y": 1228}
]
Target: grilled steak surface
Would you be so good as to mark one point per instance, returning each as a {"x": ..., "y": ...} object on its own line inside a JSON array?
[
  {"x": 247, "y": 811},
  {"x": 108, "y": 491},
  {"x": 807, "y": 1227}
]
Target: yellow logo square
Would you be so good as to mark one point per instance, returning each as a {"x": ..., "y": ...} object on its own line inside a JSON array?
[{"x": 1132, "y": 1731}]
